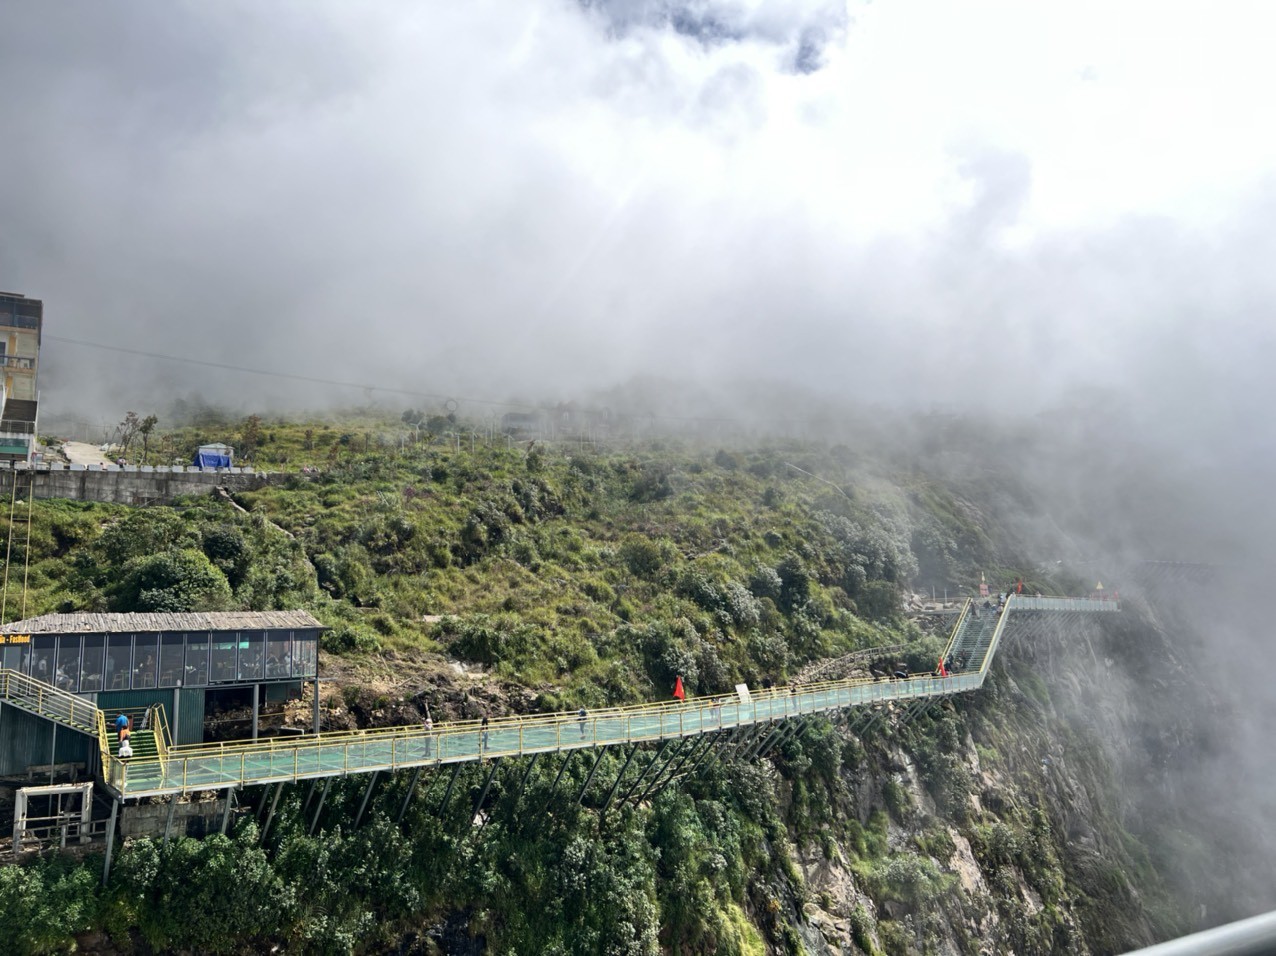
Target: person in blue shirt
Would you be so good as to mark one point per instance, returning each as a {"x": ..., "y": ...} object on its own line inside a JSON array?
[{"x": 121, "y": 725}]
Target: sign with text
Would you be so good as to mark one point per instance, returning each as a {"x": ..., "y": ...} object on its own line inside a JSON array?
[
  {"x": 15, "y": 638},
  {"x": 742, "y": 691}
]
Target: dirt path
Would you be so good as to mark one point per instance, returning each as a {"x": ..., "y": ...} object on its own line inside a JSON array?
[{"x": 82, "y": 453}]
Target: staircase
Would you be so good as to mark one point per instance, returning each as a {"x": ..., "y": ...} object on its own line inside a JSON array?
[
  {"x": 44, "y": 700},
  {"x": 148, "y": 735},
  {"x": 973, "y": 636}
]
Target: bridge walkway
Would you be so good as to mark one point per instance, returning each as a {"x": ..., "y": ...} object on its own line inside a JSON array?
[{"x": 278, "y": 760}]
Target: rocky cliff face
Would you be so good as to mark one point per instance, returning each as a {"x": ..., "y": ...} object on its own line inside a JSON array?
[{"x": 1058, "y": 810}]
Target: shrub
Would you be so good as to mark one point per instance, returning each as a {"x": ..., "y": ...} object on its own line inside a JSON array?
[
  {"x": 173, "y": 581},
  {"x": 642, "y": 556}
]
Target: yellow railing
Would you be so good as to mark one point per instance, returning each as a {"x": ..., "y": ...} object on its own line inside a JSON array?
[
  {"x": 194, "y": 766},
  {"x": 104, "y": 742},
  {"x": 159, "y": 726},
  {"x": 952, "y": 637},
  {"x": 695, "y": 715},
  {"x": 48, "y": 701}
]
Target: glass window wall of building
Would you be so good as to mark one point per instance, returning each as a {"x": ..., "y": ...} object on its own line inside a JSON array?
[
  {"x": 91, "y": 671},
  {"x": 16, "y": 657},
  {"x": 119, "y": 662},
  {"x": 196, "y": 672},
  {"x": 66, "y": 676},
  {"x": 42, "y": 657},
  {"x": 252, "y": 655},
  {"x": 279, "y": 654},
  {"x": 145, "y": 651},
  {"x": 223, "y": 665},
  {"x": 171, "y": 659},
  {"x": 89, "y": 663},
  {"x": 305, "y": 658}
]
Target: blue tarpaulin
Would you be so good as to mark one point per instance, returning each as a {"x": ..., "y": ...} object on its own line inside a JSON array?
[{"x": 208, "y": 459}]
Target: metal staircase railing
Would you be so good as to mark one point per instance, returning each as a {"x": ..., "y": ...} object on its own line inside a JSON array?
[{"x": 45, "y": 700}]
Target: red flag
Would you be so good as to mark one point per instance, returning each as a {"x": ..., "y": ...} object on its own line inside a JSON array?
[
  {"x": 943, "y": 671},
  {"x": 678, "y": 692},
  {"x": 1019, "y": 587}
]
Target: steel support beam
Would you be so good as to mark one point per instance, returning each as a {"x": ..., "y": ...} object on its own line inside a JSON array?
[
  {"x": 655, "y": 759},
  {"x": 447, "y": 794},
  {"x": 697, "y": 761},
  {"x": 372, "y": 782},
  {"x": 527, "y": 774},
  {"x": 407, "y": 797},
  {"x": 487, "y": 785},
  {"x": 878, "y": 716},
  {"x": 783, "y": 734},
  {"x": 110, "y": 841},
  {"x": 661, "y": 778},
  {"x": 168, "y": 822},
  {"x": 616, "y": 786},
  {"x": 914, "y": 709},
  {"x": 557, "y": 779},
  {"x": 230, "y": 798},
  {"x": 660, "y": 771},
  {"x": 270, "y": 816},
  {"x": 327, "y": 784},
  {"x": 589, "y": 778},
  {"x": 794, "y": 731},
  {"x": 744, "y": 742},
  {"x": 764, "y": 740},
  {"x": 256, "y": 708}
]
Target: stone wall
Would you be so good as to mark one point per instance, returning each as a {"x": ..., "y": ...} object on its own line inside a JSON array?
[
  {"x": 189, "y": 818},
  {"x": 130, "y": 484}
]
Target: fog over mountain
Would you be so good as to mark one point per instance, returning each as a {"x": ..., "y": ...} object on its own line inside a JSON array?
[
  {"x": 1057, "y": 219},
  {"x": 774, "y": 207}
]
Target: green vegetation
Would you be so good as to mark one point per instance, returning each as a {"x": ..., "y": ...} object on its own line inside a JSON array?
[{"x": 580, "y": 578}]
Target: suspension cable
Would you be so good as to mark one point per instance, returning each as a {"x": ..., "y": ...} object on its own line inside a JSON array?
[
  {"x": 4, "y": 594},
  {"x": 26, "y": 556}
]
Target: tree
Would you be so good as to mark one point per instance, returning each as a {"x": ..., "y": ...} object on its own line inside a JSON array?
[
  {"x": 128, "y": 431},
  {"x": 173, "y": 581},
  {"x": 146, "y": 426},
  {"x": 250, "y": 437}
]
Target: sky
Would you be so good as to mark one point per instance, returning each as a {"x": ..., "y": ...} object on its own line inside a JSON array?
[
  {"x": 991, "y": 205},
  {"x": 1058, "y": 212}
]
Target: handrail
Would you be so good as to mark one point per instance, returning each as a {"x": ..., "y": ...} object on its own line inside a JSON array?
[
  {"x": 217, "y": 765},
  {"x": 764, "y": 699},
  {"x": 956, "y": 631},
  {"x": 103, "y": 741},
  {"x": 48, "y": 701},
  {"x": 159, "y": 727},
  {"x": 986, "y": 663}
]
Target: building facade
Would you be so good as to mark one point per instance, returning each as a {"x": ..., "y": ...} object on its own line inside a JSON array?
[
  {"x": 21, "y": 322},
  {"x": 191, "y": 663}
]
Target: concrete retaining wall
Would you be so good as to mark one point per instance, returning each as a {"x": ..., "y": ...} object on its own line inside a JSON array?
[
  {"x": 189, "y": 819},
  {"x": 131, "y": 484}
]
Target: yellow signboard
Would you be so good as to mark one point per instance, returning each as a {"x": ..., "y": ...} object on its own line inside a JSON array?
[{"x": 15, "y": 638}]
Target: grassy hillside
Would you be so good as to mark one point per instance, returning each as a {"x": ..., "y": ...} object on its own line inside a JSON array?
[{"x": 575, "y": 576}]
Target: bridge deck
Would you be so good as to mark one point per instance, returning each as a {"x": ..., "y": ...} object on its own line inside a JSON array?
[{"x": 217, "y": 766}]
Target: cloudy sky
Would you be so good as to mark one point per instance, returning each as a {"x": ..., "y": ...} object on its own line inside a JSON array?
[{"x": 987, "y": 204}]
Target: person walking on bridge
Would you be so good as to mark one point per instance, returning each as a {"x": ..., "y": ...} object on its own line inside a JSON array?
[{"x": 428, "y": 726}]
